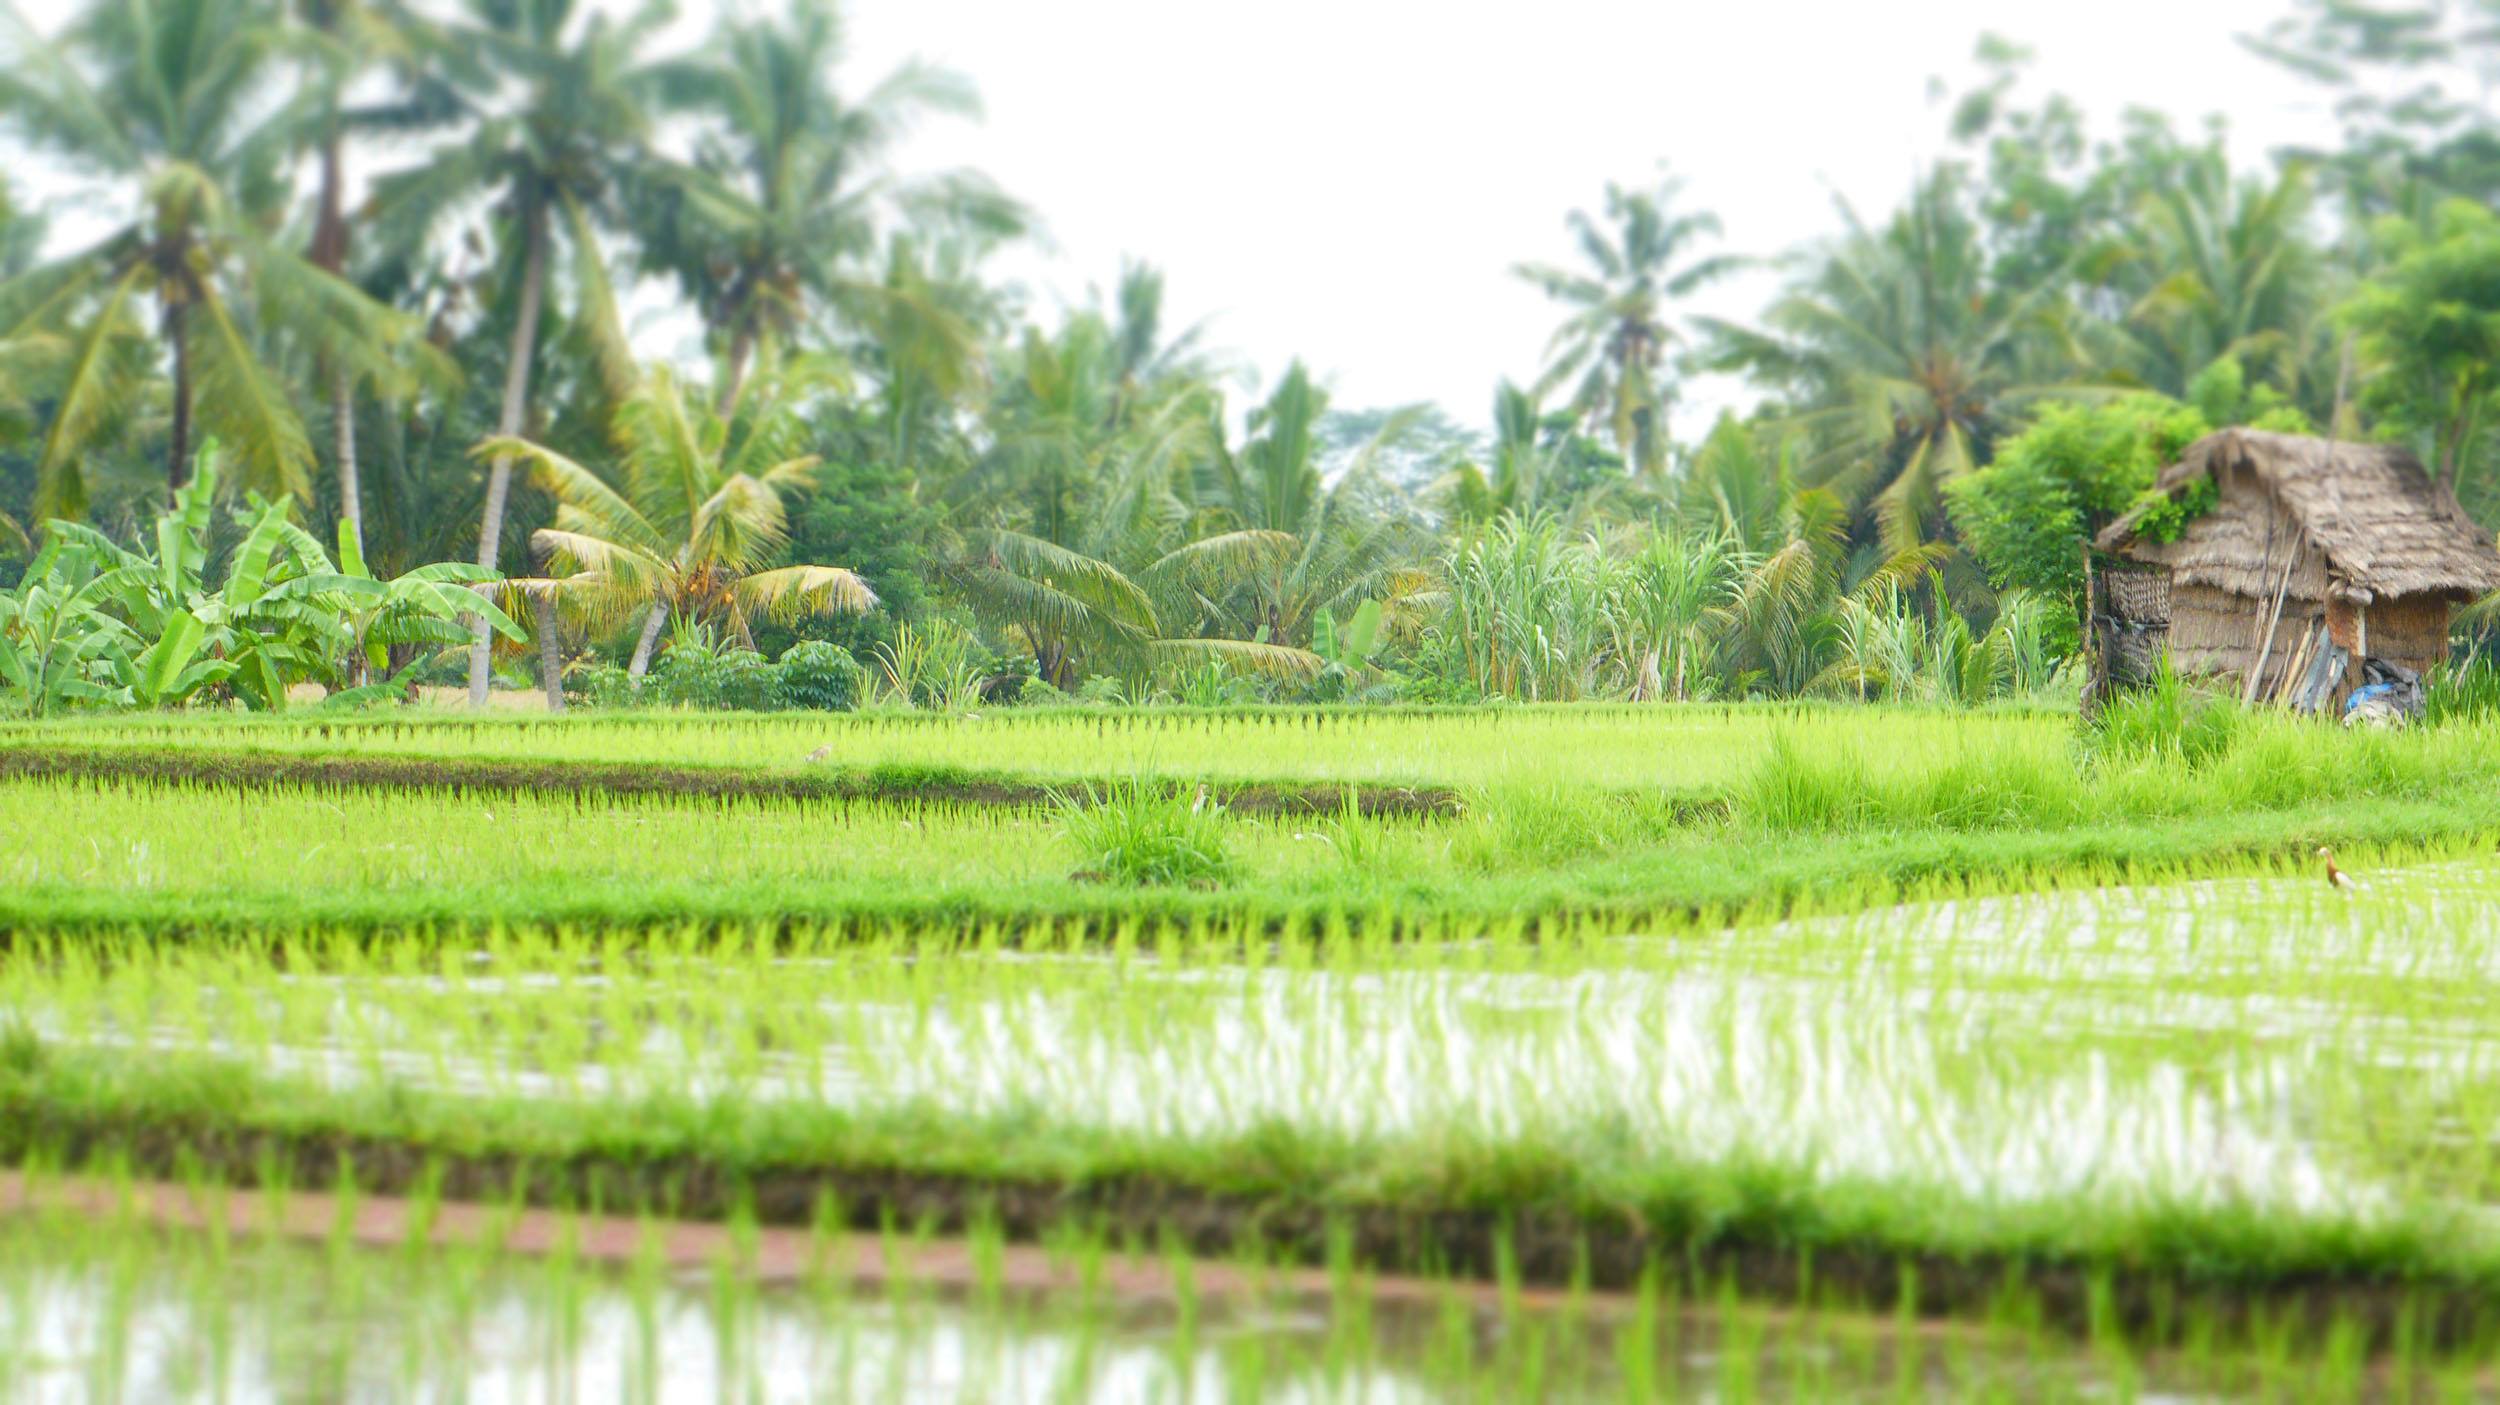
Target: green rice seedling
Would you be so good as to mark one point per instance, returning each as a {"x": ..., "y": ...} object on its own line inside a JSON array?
[
  {"x": 1684, "y": 749},
  {"x": 1141, "y": 833}
]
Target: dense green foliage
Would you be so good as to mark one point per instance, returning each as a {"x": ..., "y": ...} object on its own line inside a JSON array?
[{"x": 888, "y": 453}]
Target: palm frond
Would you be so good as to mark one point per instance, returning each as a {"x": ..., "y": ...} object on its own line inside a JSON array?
[{"x": 792, "y": 591}]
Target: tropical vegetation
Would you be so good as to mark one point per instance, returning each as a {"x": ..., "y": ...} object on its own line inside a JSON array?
[{"x": 888, "y": 455}]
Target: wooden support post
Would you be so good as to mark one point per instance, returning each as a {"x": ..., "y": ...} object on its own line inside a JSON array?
[{"x": 2273, "y": 620}]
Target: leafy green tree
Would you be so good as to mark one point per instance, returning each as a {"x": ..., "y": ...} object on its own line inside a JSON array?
[
  {"x": 2226, "y": 268},
  {"x": 2429, "y": 334},
  {"x": 1275, "y": 545},
  {"x": 2026, "y": 517},
  {"x": 1636, "y": 261},
  {"x": 170, "y": 98},
  {"x": 2412, "y": 83},
  {"x": 1903, "y": 359}
]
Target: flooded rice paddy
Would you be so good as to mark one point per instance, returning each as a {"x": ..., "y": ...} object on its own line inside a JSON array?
[{"x": 2271, "y": 1043}]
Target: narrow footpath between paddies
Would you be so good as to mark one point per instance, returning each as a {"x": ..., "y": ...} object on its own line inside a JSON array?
[{"x": 766, "y": 1255}]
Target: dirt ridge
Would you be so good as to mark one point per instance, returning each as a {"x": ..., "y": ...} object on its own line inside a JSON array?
[
  {"x": 331, "y": 771},
  {"x": 1539, "y": 1246}
]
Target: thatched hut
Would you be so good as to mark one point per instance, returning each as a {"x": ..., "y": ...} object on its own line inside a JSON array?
[{"x": 2314, "y": 560}]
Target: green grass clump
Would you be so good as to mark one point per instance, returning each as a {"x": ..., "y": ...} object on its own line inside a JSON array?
[{"x": 1142, "y": 834}]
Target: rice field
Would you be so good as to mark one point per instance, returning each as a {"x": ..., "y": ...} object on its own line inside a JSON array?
[
  {"x": 1678, "y": 750},
  {"x": 2069, "y": 1079},
  {"x": 110, "y": 1305}
]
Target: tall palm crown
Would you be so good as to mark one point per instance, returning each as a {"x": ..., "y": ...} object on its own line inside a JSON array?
[
  {"x": 1904, "y": 358},
  {"x": 777, "y": 211},
  {"x": 686, "y": 531},
  {"x": 2224, "y": 268},
  {"x": 1279, "y": 544},
  {"x": 1612, "y": 347},
  {"x": 170, "y": 99}
]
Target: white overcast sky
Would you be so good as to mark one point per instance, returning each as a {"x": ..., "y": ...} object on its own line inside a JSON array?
[{"x": 1350, "y": 181}]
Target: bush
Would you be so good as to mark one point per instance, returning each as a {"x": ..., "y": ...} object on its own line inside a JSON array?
[
  {"x": 600, "y": 685},
  {"x": 819, "y": 677},
  {"x": 1139, "y": 833},
  {"x": 693, "y": 673},
  {"x": 1039, "y": 692},
  {"x": 1102, "y": 690}
]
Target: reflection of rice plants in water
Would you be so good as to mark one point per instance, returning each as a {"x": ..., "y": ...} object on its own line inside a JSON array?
[{"x": 313, "y": 1295}]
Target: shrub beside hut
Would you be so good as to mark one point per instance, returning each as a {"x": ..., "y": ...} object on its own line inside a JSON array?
[{"x": 2303, "y": 569}]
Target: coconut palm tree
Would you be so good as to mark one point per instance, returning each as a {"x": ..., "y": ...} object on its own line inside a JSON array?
[
  {"x": 1067, "y": 500},
  {"x": 1275, "y": 544},
  {"x": 169, "y": 99},
  {"x": 551, "y": 162},
  {"x": 343, "y": 44},
  {"x": 778, "y": 209},
  {"x": 1905, "y": 359},
  {"x": 684, "y": 533},
  {"x": 2220, "y": 267},
  {"x": 1613, "y": 344}
]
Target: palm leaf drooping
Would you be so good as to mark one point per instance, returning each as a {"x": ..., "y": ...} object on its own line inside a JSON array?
[{"x": 690, "y": 532}]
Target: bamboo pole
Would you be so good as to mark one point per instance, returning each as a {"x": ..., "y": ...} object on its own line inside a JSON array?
[
  {"x": 2297, "y": 666},
  {"x": 2274, "y": 620}
]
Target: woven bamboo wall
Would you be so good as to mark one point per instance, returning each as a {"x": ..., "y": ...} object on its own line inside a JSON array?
[
  {"x": 2140, "y": 593},
  {"x": 2411, "y": 630},
  {"x": 2217, "y": 632}
]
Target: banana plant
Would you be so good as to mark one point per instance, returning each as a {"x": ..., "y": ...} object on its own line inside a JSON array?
[
  {"x": 282, "y": 614},
  {"x": 57, "y": 646},
  {"x": 428, "y": 606},
  {"x": 1347, "y": 650}
]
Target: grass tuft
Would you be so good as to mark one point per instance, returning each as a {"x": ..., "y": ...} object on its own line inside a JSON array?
[{"x": 1143, "y": 834}]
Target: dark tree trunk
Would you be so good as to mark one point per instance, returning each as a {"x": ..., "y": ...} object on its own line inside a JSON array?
[{"x": 550, "y": 662}]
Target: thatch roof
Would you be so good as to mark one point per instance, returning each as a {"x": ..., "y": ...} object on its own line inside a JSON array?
[{"x": 2382, "y": 523}]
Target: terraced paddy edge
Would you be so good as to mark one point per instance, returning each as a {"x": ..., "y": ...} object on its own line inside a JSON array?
[
  {"x": 924, "y": 784},
  {"x": 1687, "y": 749},
  {"x": 177, "y": 859},
  {"x": 1758, "y": 1238},
  {"x": 768, "y": 1254},
  {"x": 297, "y": 1298}
]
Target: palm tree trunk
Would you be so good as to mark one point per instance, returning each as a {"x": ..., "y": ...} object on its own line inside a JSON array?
[
  {"x": 329, "y": 253},
  {"x": 178, "y": 445},
  {"x": 651, "y": 625},
  {"x": 550, "y": 665},
  {"x": 516, "y": 384},
  {"x": 733, "y": 379},
  {"x": 343, "y": 438}
]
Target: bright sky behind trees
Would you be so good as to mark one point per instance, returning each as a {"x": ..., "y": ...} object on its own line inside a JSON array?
[{"x": 1351, "y": 182}]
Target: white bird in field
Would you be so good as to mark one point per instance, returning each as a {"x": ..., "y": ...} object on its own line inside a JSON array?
[
  {"x": 821, "y": 752},
  {"x": 2335, "y": 877}
]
